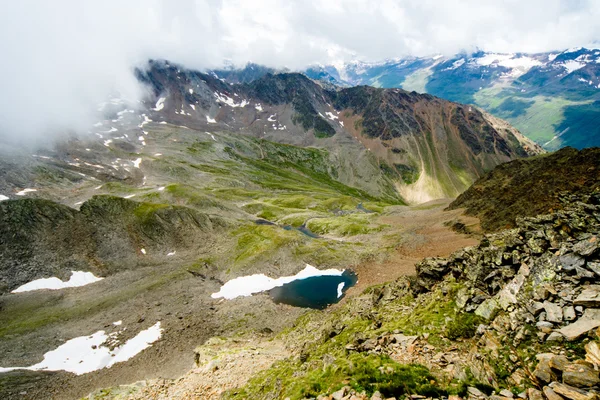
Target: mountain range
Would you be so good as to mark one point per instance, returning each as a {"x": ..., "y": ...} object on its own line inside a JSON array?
[{"x": 552, "y": 98}]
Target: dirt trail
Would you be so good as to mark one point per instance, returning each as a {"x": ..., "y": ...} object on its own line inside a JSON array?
[
  {"x": 424, "y": 235},
  {"x": 228, "y": 364}
]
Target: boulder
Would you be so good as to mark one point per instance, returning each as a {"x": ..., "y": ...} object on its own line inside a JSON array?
[
  {"x": 589, "y": 297},
  {"x": 377, "y": 396},
  {"x": 403, "y": 339},
  {"x": 571, "y": 392},
  {"x": 580, "y": 375},
  {"x": 508, "y": 294},
  {"x": 339, "y": 395},
  {"x": 570, "y": 261},
  {"x": 534, "y": 394},
  {"x": 474, "y": 392},
  {"x": 545, "y": 326},
  {"x": 555, "y": 337},
  {"x": 569, "y": 313},
  {"x": 506, "y": 393},
  {"x": 588, "y": 321},
  {"x": 488, "y": 309},
  {"x": 594, "y": 266},
  {"x": 583, "y": 273},
  {"x": 592, "y": 353},
  {"x": 536, "y": 308},
  {"x": 543, "y": 371},
  {"x": 559, "y": 362},
  {"x": 553, "y": 312},
  {"x": 586, "y": 247},
  {"x": 551, "y": 394}
]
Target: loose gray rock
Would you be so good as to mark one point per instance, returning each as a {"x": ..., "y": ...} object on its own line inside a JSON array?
[
  {"x": 553, "y": 312},
  {"x": 589, "y": 297},
  {"x": 580, "y": 375},
  {"x": 588, "y": 321},
  {"x": 570, "y": 261},
  {"x": 555, "y": 337},
  {"x": 543, "y": 371},
  {"x": 569, "y": 313},
  {"x": 551, "y": 394},
  {"x": 571, "y": 392},
  {"x": 586, "y": 247}
]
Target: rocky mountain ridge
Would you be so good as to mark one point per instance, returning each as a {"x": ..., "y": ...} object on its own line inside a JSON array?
[
  {"x": 530, "y": 187},
  {"x": 551, "y": 97},
  {"x": 429, "y": 147}
]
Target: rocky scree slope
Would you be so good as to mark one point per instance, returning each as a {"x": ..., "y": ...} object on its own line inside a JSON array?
[
  {"x": 429, "y": 147},
  {"x": 529, "y": 187},
  {"x": 514, "y": 316}
]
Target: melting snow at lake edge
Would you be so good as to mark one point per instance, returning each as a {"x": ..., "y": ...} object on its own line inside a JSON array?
[{"x": 248, "y": 285}]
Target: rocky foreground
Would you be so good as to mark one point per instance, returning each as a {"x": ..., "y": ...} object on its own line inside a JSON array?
[
  {"x": 533, "y": 290},
  {"x": 516, "y": 316}
]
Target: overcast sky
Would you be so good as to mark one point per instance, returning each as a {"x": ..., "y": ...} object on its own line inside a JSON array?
[{"x": 62, "y": 57}]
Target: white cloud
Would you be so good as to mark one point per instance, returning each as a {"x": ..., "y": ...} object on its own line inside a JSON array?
[{"x": 61, "y": 58}]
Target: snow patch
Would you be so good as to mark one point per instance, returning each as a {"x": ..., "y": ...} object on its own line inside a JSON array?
[
  {"x": 129, "y": 196},
  {"x": 137, "y": 162},
  {"x": 193, "y": 107},
  {"x": 160, "y": 104},
  {"x": 572, "y": 65},
  {"x": 258, "y": 107},
  {"x": 340, "y": 290},
  {"x": 85, "y": 354},
  {"x": 3, "y": 197},
  {"x": 272, "y": 118},
  {"x": 145, "y": 121},
  {"x": 118, "y": 323},
  {"x": 171, "y": 253},
  {"x": 143, "y": 251},
  {"x": 78, "y": 278},
  {"x": 25, "y": 191},
  {"x": 248, "y": 285},
  {"x": 211, "y": 135},
  {"x": 331, "y": 116},
  {"x": 210, "y": 120},
  {"x": 456, "y": 64},
  {"x": 229, "y": 101},
  {"x": 191, "y": 91}
]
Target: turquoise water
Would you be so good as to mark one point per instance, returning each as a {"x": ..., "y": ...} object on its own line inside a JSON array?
[{"x": 317, "y": 292}]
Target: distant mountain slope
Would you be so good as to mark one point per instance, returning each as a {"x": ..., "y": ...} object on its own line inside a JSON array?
[
  {"x": 553, "y": 98},
  {"x": 41, "y": 238},
  {"x": 529, "y": 187},
  {"x": 423, "y": 146}
]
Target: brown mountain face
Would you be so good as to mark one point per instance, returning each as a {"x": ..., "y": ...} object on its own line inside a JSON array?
[
  {"x": 528, "y": 187},
  {"x": 423, "y": 146}
]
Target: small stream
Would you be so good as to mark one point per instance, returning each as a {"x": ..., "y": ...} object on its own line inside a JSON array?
[{"x": 302, "y": 229}]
